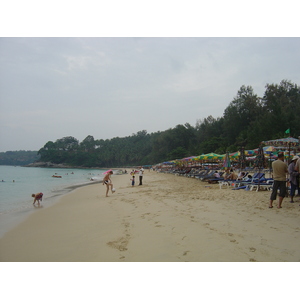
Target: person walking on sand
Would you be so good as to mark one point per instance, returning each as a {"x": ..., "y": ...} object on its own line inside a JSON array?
[
  {"x": 280, "y": 170},
  {"x": 37, "y": 198},
  {"x": 108, "y": 182},
  {"x": 141, "y": 172}
]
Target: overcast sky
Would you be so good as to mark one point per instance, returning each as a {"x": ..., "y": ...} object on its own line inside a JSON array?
[{"x": 113, "y": 87}]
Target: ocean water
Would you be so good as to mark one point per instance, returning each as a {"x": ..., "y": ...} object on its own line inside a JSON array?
[{"x": 18, "y": 183}]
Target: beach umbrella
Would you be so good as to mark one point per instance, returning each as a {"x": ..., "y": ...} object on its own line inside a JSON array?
[
  {"x": 260, "y": 158},
  {"x": 234, "y": 154},
  {"x": 269, "y": 149},
  {"x": 251, "y": 158},
  {"x": 284, "y": 143},
  {"x": 260, "y": 161},
  {"x": 190, "y": 158},
  {"x": 211, "y": 156},
  {"x": 226, "y": 161},
  {"x": 242, "y": 158},
  {"x": 249, "y": 152}
]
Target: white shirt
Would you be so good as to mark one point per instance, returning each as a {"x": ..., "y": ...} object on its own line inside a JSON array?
[{"x": 141, "y": 172}]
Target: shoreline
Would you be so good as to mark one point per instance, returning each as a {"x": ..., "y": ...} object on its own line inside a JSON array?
[
  {"x": 14, "y": 211},
  {"x": 167, "y": 219},
  {"x": 10, "y": 220}
]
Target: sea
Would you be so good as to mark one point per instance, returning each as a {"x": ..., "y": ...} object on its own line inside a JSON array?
[{"x": 17, "y": 184}]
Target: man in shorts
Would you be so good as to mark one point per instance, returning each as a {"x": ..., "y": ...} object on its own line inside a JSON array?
[{"x": 280, "y": 169}]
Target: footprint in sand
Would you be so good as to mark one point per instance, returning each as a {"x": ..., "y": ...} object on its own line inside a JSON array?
[
  {"x": 252, "y": 249},
  {"x": 119, "y": 244}
]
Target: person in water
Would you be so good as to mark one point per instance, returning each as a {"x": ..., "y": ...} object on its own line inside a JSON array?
[{"x": 37, "y": 198}]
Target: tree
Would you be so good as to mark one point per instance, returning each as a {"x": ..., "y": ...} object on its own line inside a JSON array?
[
  {"x": 88, "y": 144},
  {"x": 241, "y": 113}
]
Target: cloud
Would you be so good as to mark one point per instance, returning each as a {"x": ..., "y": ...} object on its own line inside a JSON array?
[{"x": 108, "y": 87}]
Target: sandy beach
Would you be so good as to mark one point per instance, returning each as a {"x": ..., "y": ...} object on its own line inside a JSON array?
[{"x": 167, "y": 219}]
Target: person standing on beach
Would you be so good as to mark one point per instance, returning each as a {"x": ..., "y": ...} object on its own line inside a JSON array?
[
  {"x": 132, "y": 180},
  {"x": 141, "y": 172},
  {"x": 297, "y": 168},
  {"x": 280, "y": 170},
  {"x": 293, "y": 177},
  {"x": 37, "y": 198},
  {"x": 108, "y": 182}
]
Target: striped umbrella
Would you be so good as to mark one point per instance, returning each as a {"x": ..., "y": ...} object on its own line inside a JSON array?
[{"x": 226, "y": 161}]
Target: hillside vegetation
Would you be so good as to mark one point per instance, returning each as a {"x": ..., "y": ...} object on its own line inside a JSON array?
[
  {"x": 247, "y": 120},
  {"x": 18, "y": 158}
]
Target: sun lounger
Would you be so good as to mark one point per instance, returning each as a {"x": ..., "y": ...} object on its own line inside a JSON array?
[
  {"x": 192, "y": 173},
  {"x": 238, "y": 183},
  {"x": 263, "y": 183},
  {"x": 208, "y": 175},
  {"x": 202, "y": 175},
  {"x": 256, "y": 177},
  {"x": 213, "y": 178}
]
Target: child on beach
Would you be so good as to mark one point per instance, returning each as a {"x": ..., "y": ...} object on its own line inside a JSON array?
[
  {"x": 108, "y": 182},
  {"x": 37, "y": 198},
  {"x": 132, "y": 180}
]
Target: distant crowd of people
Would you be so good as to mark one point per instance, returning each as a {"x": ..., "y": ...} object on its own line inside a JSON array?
[
  {"x": 280, "y": 172},
  {"x": 109, "y": 184}
]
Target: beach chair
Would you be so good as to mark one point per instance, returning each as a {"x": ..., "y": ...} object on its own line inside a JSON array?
[
  {"x": 237, "y": 184},
  {"x": 202, "y": 175},
  {"x": 214, "y": 179},
  {"x": 198, "y": 173},
  {"x": 224, "y": 182},
  {"x": 255, "y": 178},
  {"x": 263, "y": 183},
  {"x": 192, "y": 173},
  {"x": 208, "y": 175}
]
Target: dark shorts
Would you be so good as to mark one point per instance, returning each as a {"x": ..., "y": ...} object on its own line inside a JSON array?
[
  {"x": 106, "y": 181},
  {"x": 281, "y": 185}
]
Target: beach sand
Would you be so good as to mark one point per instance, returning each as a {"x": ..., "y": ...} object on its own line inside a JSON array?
[{"x": 167, "y": 219}]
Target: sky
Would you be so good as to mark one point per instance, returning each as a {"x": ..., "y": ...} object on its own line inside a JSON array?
[{"x": 52, "y": 86}]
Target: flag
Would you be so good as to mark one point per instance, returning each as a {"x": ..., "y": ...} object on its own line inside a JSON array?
[{"x": 287, "y": 131}]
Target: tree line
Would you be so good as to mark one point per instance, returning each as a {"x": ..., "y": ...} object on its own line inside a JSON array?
[
  {"x": 18, "y": 158},
  {"x": 246, "y": 121}
]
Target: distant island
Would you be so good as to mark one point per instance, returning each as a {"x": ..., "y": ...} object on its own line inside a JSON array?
[{"x": 18, "y": 158}]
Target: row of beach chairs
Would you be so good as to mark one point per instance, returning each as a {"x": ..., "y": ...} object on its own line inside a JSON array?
[{"x": 257, "y": 182}]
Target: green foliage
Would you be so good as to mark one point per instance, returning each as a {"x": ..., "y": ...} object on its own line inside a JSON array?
[
  {"x": 246, "y": 122},
  {"x": 18, "y": 158}
]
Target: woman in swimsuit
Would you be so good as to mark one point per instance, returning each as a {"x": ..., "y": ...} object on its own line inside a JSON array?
[{"x": 108, "y": 182}]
